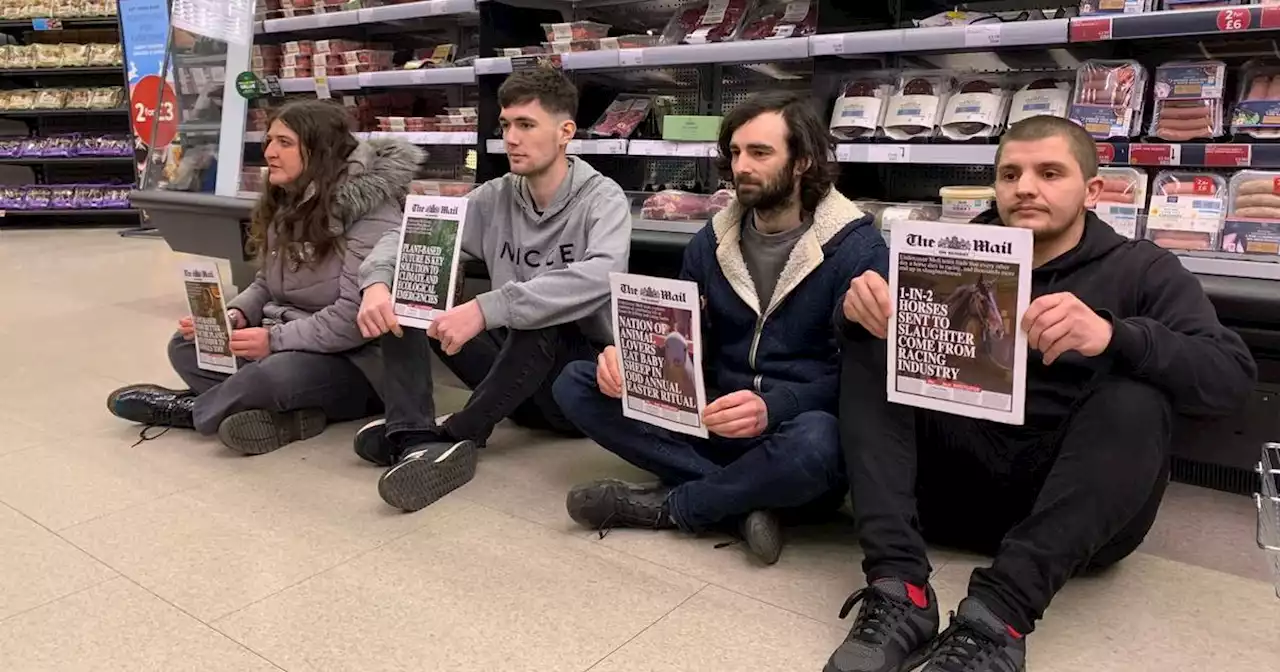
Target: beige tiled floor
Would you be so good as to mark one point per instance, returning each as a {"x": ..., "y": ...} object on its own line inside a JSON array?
[{"x": 174, "y": 555}]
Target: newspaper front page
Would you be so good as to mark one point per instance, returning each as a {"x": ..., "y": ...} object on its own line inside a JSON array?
[
  {"x": 659, "y": 337},
  {"x": 955, "y": 344},
  {"x": 426, "y": 279},
  {"x": 203, "y": 286}
]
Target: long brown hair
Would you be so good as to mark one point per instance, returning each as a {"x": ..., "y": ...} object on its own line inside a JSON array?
[{"x": 299, "y": 211}]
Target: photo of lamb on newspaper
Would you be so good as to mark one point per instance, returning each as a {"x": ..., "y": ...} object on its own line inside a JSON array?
[
  {"x": 955, "y": 344},
  {"x": 659, "y": 340}
]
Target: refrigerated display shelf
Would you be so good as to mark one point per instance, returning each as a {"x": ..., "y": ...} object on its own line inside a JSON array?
[
  {"x": 62, "y": 113},
  {"x": 41, "y": 72},
  {"x": 42, "y": 160},
  {"x": 425, "y": 138},
  {"x": 372, "y": 15}
]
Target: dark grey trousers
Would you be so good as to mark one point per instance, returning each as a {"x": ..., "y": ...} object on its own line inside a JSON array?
[{"x": 283, "y": 381}]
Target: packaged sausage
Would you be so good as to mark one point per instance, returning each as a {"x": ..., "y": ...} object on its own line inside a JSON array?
[
  {"x": 916, "y": 105},
  {"x": 860, "y": 109},
  {"x": 576, "y": 30},
  {"x": 1186, "y": 210},
  {"x": 1109, "y": 98},
  {"x": 977, "y": 109},
  {"x": 712, "y": 21},
  {"x": 1042, "y": 96},
  {"x": 1188, "y": 100},
  {"x": 1115, "y": 6},
  {"x": 1253, "y": 213},
  {"x": 1124, "y": 193},
  {"x": 1257, "y": 112}
]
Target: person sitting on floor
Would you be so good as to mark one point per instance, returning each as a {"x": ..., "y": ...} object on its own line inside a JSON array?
[
  {"x": 771, "y": 270},
  {"x": 549, "y": 232},
  {"x": 303, "y": 361},
  {"x": 1122, "y": 336}
]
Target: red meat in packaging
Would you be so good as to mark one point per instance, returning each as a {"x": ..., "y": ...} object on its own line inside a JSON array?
[
  {"x": 676, "y": 205},
  {"x": 622, "y": 118},
  {"x": 714, "y": 21},
  {"x": 776, "y": 20}
]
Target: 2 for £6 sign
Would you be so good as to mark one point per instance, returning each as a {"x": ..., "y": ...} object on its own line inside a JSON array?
[{"x": 153, "y": 111}]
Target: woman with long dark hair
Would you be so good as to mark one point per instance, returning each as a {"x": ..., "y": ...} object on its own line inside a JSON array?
[{"x": 302, "y": 360}]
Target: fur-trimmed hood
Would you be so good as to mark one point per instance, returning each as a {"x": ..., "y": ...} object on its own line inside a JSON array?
[
  {"x": 378, "y": 171},
  {"x": 834, "y": 218}
]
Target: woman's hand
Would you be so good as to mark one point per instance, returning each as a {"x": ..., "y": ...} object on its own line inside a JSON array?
[
  {"x": 187, "y": 327},
  {"x": 252, "y": 343}
]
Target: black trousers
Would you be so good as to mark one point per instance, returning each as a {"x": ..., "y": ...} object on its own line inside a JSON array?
[
  {"x": 1047, "y": 502},
  {"x": 509, "y": 371}
]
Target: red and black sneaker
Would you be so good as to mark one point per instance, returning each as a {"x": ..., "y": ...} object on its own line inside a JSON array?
[
  {"x": 892, "y": 631},
  {"x": 977, "y": 641}
]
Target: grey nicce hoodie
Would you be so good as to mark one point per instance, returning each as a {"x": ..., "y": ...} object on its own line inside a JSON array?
[{"x": 546, "y": 269}]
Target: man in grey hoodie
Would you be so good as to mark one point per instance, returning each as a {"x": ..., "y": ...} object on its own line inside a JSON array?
[{"x": 549, "y": 232}]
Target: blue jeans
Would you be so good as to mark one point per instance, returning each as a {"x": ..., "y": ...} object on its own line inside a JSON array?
[{"x": 714, "y": 479}]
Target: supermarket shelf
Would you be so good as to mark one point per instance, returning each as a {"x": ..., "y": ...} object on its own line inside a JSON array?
[
  {"x": 928, "y": 154},
  {"x": 689, "y": 228},
  {"x": 114, "y": 212},
  {"x": 41, "y": 72},
  {"x": 1178, "y": 23},
  {"x": 586, "y": 146},
  {"x": 467, "y": 138},
  {"x": 308, "y": 84},
  {"x": 83, "y": 22},
  {"x": 1232, "y": 266},
  {"x": 208, "y": 127},
  {"x": 43, "y": 160},
  {"x": 980, "y": 36},
  {"x": 666, "y": 148},
  {"x": 411, "y": 10},
  {"x": 421, "y": 77},
  {"x": 62, "y": 113}
]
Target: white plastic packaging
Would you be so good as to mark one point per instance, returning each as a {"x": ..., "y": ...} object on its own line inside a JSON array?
[
  {"x": 977, "y": 110},
  {"x": 962, "y": 204},
  {"x": 860, "y": 109},
  {"x": 1253, "y": 213},
  {"x": 1186, "y": 210},
  {"x": 917, "y": 105},
  {"x": 1124, "y": 194},
  {"x": 1046, "y": 96},
  {"x": 1188, "y": 100},
  {"x": 1109, "y": 98}
]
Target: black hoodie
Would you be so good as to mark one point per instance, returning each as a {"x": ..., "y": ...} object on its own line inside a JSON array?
[{"x": 1165, "y": 331}]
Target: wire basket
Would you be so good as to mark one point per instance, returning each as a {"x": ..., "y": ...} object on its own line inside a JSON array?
[{"x": 1268, "y": 501}]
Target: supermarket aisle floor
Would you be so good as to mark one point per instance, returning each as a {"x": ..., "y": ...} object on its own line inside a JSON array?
[{"x": 175, "y": 555}]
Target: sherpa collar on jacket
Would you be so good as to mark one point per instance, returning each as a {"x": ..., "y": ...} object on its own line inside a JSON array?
[
  {"x": 378, "y": 170},
  {"x": 833, "y": 214}
]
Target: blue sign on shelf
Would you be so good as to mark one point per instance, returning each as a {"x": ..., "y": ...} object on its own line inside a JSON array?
[
  {"x": 46, "y": 24},
  {"x": 144, "y": 25}
]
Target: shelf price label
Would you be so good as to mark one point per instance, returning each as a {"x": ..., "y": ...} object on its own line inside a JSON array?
[
  {"x": 630, "y": 58},
  {"x": 153, "y": 111},
  {"x": 1142, "y": 154},
  {"x": 826, "y": 45},
  {"x": 982, "y": 35},
  {"x": 889, "y": 154},
  {"x": 1235, "y": 18},
  {"x": 1270, "y": 17},
  {"x": 1106, "y": 152},
  {"x": 1228, "y": 156},
  {"x": 1089, "y": 30},
  {"x": 322, "y": 87}
]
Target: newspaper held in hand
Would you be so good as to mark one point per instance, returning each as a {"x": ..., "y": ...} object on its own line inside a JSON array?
[
  {"x": 955, "y": 344},
  {"x": 209, "y": 312},
  {"x": 427, "y": 262},
  {"x": 659, "y": 336}
]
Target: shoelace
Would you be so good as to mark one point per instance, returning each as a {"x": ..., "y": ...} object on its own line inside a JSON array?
[
  {"x": 632, "y": 511},
  {"x": 878, "y": 617},
  {"x": 163, "y": 418},
  {"x": 142, "y": 436},
  {"x": 962, "y": 647}
]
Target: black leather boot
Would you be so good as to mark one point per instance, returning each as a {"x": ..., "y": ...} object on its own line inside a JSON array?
[{"x": 153, "y": 405}]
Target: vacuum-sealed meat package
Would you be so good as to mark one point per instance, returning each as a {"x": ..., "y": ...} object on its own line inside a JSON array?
[
  {"x": 622, "y": 117},
  {"x": 1188, "y": 100},
  {"x": 713, "y": 21},
  {"x": 1116, "y": 6},
  {"x": 776, "y": 19},
  {"x": 1186, "y": 210},
  {"x": 916, "y": 106},
  {"x": 860, "y": 109},
  {"x": 977, "y": 109},
  {"x": 676, "y": 205},
  {"x": 1257, "y": 112},
  {"x": 1109, "y": 98},
  {"x": 1044, "y": 96},
  {"x": 1124, "y": 193},
  {"x": 1253, "y": 213}
]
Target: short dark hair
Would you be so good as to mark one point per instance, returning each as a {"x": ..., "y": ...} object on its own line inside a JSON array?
[
  {"x": 1041, "y": 127},
  {"x": 807, "y": 138},
  {"x": 544, "y": 84}
]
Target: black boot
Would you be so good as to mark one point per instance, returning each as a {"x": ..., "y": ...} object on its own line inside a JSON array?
[
  {"x": 153, "y": 406},
  {"x": 603, "y": 505}
]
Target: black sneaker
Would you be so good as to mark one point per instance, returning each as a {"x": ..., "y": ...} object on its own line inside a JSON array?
[
  {"x": 153, "y": 406},
  {"x": 428, "y": 472},
  {"x": 977, "y": 641},
  {"x": 762, "y": 530},
  {"x": 257, "y": 432},
  {"x": 372, "y": 444},
  {"x": 892, "y": 630},
  {"x": 603, "y": 505}
]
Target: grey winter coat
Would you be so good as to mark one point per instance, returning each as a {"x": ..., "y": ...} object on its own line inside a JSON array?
[{"x": 312, "y": 307}]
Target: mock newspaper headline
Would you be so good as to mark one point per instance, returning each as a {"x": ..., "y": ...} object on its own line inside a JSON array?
[
  {"x": 203, "y": 286},
  {"x": 426, "y": 281},
  {"x": 959, "y": 292},
  {"x": 658, "y": 331}
]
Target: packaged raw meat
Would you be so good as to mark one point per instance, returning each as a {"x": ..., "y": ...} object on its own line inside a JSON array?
[
  {"x": 917, "y": 105},
  {"x": 1116, "y": 6},
  {"x": 622, "y": 117},
  {"x": 1043, "y": 96},
  {"x": 719, "y": 201},
  {"x": 860, "y": 109},
  {"x": 776, "y": 19},
  {"x": 1186, "y": 210},
  {"x": 1257, "y": 113},
  {"x": 673, "y": 204},
  {"x": 1124, "y": 193},
  {"x": 1253, "y": 213},
  {"x": 713, "y": 21},
  {"x": 1188, "y": 100},
  {"x": 577, "y": 30},
  {"x": 977, "y": 109},
  {"x": 1109, "y": 98},
  {"x": 638, "y": 41}
]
